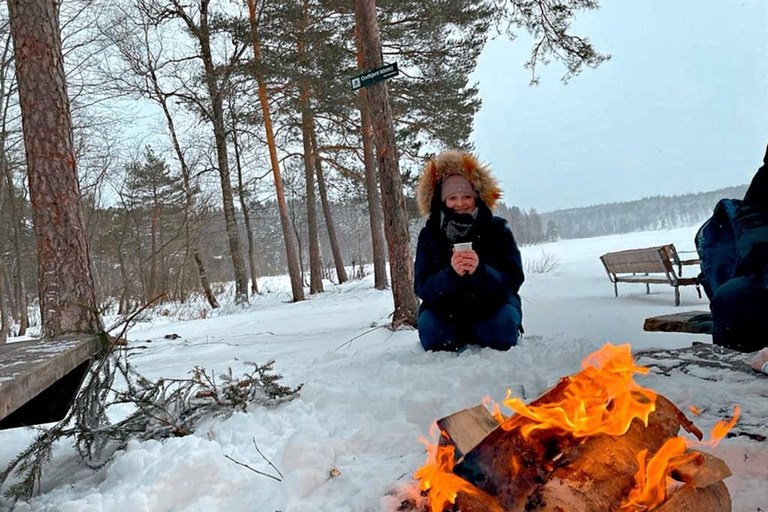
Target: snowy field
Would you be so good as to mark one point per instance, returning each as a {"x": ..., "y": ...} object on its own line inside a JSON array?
[{"x": 369, "y": 393}]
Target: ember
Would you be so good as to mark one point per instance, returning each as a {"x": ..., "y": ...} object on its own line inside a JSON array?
[{"x": 595, "y": 442}]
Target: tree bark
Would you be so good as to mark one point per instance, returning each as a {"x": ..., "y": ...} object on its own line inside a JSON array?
[
  {"x": 378, "y": 242},
  {"x": 713, "y": 498},
  {"x": 65, "y": 283},
  {"x": 20, "y": 294},
  {"x": 152, "y": 286},
  {"x": 315, "y": 260},
  {"x": 5, "y": 314},
  {"x": 215, "y": 91},
  {"x": 290, "y": 247},
  {"x": 395, "y": 216},
  {"x": 598, "y": 474},
  {"x": 244, "y": 205},
  {"x": 341, "y": 271}
]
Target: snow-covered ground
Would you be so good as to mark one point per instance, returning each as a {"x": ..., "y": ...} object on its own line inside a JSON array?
[{"x": 369, "y": 393}]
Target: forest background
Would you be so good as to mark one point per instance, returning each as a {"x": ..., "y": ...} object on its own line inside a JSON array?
[{"x": 182, "y": 206}]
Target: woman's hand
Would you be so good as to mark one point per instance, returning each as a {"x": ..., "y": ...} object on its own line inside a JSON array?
[{"x": 465, "y": 262}]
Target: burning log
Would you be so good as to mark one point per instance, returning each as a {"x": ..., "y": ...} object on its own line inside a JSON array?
[
  {"x": 596, "y": 475},
  {"x": 509, "y": 466},
  {"x": 595, "y": 442},
  {"x": 688, "y": 498},
  {"x": 701, "y": 470},
  {"x": 466, "y": 428},
  {"x": 548, "y": 469}
]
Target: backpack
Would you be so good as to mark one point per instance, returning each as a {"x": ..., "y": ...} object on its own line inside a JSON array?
[{"x": 716, "y": 244}]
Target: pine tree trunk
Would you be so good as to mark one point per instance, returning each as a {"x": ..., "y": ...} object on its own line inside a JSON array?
[
  {"x": 244, "y": 207},
  {"x": 126, "y": 294},
  {"x": 21, "y": 300},
  {"x": 5, "y": 315},
  {"x": 378, "y": 242},
  {"x": 341, "y": 271},
  {"x": 65, "y": 283},
  {"x": 153, "y": 256},
  {"x": 290, "y": 248},
  {"x": 395, "y": 216},
  {"x": 220, "y": 137},
  {"x": 315, "y": 260}
]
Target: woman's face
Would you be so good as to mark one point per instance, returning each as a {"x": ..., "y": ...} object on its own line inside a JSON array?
[{"x": 461, "y": 203}]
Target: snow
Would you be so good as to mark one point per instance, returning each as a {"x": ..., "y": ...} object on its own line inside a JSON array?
[{"x": 370, "y": 393}]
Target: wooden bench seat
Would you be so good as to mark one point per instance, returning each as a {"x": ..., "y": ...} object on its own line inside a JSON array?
[
  {"x": 40, "y": 378},
  {"x": 650, "y": 265}
]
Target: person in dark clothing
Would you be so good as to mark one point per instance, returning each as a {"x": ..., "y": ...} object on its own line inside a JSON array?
[
  {"x": 740, "y": 306},
  {"x": 468, "y": 269}
]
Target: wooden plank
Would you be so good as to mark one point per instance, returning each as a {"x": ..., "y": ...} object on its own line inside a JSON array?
[
  {"x": 465, "y": 429},
  {"x": 687, "y": 321},
  {"x": 28, "y": 368},
  {"x": 649, "y": 260},
  {"x": 642, "y": 279}
]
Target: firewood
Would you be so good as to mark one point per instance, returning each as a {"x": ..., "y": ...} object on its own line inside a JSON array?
[
  {"x": 712, "y": 498},
  {"x": 476, "y": 502},
  {"x": 596, "y": 475},
  {"x": 506, "y": 465},
  {"x": 702, "y": 470},
  {"x": 466, "y": 428}
]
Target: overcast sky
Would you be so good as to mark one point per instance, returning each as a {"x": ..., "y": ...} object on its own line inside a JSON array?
[{"x": 682, "y": 106}]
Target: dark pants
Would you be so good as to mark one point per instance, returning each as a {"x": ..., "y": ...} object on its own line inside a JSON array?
[
  {"x": 497, "y": 329},
  {"x": 740, "y": 314}
]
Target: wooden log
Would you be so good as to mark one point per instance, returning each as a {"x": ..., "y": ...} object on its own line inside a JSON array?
[
  {"x": 697, "y": 322},
  {"x": 506, "y": 465},
  {"x": 596, "y": 475},
  {"x": 466, "y": 428},
  {"x": 476, "y": 502},
  {"x": 713, "y": 498},
  {"x": 702, "y": 470}
]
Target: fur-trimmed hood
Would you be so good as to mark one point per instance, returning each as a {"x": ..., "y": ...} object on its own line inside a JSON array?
[{"x": 456, "y": 162}]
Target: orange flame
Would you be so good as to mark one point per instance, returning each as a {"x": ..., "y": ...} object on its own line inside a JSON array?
[
  {"x": 437, "y": 477},
  {"x": 721, "y": 428},
  {"x": 652, "y": 479},
  {"x": 602, "y": 398},
  {"x": 495, "y": 409}
]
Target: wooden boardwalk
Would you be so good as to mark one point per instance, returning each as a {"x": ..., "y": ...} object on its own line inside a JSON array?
[{"x": 40, "y": 378}]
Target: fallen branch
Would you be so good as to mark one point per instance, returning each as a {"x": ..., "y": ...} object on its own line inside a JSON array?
[{"x": 254, "y": 470}]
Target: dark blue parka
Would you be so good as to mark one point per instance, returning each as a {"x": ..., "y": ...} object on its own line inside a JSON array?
[{"x": 496, "y": 281}]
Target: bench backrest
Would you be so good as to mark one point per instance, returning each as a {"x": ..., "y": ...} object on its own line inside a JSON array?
[{"x": 651, "y": 260}]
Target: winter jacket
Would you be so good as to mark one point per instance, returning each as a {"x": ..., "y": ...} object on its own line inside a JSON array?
[
  {"x": 751, "y": 222},
  {"x": 496, "y": 281},
  {"x": 499, "y": 275}
]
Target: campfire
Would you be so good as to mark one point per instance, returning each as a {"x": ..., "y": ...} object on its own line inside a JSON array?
[{"x": 595, "y": 442}]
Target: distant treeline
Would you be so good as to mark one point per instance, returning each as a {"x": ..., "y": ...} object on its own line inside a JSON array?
[{"x": 647, "y": 214}]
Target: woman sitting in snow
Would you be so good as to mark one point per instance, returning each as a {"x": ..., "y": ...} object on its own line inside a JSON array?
[{"x": 468, "y": 268}]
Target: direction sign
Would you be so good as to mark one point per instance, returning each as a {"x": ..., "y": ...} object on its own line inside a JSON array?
[{"x": 373, "y": 76}]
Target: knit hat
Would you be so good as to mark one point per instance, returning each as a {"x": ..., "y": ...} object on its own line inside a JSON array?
[{"x": 456, "y": 184}]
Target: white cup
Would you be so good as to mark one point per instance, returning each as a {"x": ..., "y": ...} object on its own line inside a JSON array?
[{"x": 463, "y": 246}]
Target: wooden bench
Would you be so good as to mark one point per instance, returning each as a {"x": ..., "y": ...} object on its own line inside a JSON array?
[
  {"x": 40, "y": 378},
  {"x": 652, "y": 265}
]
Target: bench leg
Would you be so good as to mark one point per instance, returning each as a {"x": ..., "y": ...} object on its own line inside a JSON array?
[
  {"x": 647, "y": 289},
  {"x": 616, "y": 289},
  {"x": 677, "y": 295}
]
